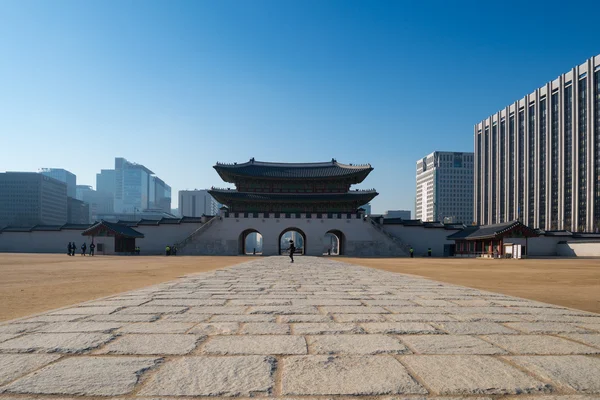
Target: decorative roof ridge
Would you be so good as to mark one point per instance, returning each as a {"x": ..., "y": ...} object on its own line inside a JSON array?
[
  {"x": 236, "y": 191},
  {"x": 333, "y": 161}
]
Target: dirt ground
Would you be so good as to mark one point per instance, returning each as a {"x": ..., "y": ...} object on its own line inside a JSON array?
[
  {"x": 32, "y": 283},
  {"x": 571, "y": 283}
]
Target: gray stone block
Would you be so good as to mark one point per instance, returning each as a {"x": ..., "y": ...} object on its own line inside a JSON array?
[
  {"x": 55, "y": 342},
  {"x": 305, "y": 318},
  {"x": 7, "y": 336},
  {"x": 253, "y": 344},
  {"x": 122, "y": 318},
  {"x": 355, "y": 344},
  {"x": 85, "y": 376},
  {"x": 104, "y": 327},
  {"x": 157, "y": 327},
  {"x": 103, "y": 310},
  {"x": 359, "y": 317},
  {"x": 167, "y": 344},
  {"x": 284, "y": 310},
  {"x": 152, "y": 310},
  {"x": 354, "y": 310},
  {"x": 325, "y": 328},
  {"x": 216, "y": 328},
  {"x": 213, "y": 376},
  {"x": 399, "y": 327},
  {"x": 190, "y": 318},
  {"x": 579, "y": 373},
  {"x": 243, "y": 318},
  {"x": 450, "y": 344},
  {"x": 547, "y": 327},
  {"x": 11, "y": 329},
  {"x": 470, "y": 374},
  {"x": 419, "y": 318},
  {"x": 539, "y": 344},
  {"x": 474, "y": 328},
  {"x": 591, "y": 339},
  {"x": 350, "y": 375},
  {"x": 13, "y": 366},
  {"x": 265, "y": 328},
  {"x": 217, "y": 310}
]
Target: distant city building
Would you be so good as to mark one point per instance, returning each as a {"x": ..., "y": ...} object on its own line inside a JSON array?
[
  {"x": 105, "y": 181},
  {"x": 132, "y": 186},
  {"x": 367, "y": 208},
  {"x": 80, "y": 190},
  {"x": 445, "y": 187},
  {"x": 64, "y": 176},
  {"x": 100, "y": 203},
  {"x": 538, "y": 159},
  {"x": 195, "y": 203},
  {"x": 78, "y": 212},
  {"x": 160, "y": 195},
  {"x": 403, "y": 214},
  {"x": 29, "y": 198}
]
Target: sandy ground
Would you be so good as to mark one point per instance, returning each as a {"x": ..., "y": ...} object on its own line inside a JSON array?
[
  {"x": 32, "y": 283},
  {"x": 571, "y": 283}
]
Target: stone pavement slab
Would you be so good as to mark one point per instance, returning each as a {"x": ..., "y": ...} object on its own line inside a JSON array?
[
  {"x": 350, "y": 375},
  {"x": 470, "y": 374},
  {"x": 13, "y": 366},
  {"x": 86, "y": 376},
  {"x": 213, "y": 376},
  {"x": 318, "y": 329},
  {"x": 581, "y": 373}
]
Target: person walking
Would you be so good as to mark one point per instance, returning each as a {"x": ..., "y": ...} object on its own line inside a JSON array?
[
  {"x": 92, "y": 248},
  {"x": 429, "y": 252},
  {"x": 73, "y": 248},
  {"x": 412, "y": 252},
  {"x": 292, "y": 250},
  {"x": 168, "y": 250},
  {"x": 83, "y": 249},
  {"x": 69, "y": 249}
]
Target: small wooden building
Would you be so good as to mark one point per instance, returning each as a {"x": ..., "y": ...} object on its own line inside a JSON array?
[
  {"x": 488, "y": 240},
  {"x": 124, "y": 235}
]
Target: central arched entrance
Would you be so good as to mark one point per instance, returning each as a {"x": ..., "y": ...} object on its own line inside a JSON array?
[
  {"x": 250, "y": 242},
  {"x": 295, "y": 234},
  {"x": 334, "y": 243}
]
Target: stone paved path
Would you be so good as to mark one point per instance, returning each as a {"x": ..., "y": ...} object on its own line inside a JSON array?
[{"x": 315, "y": 328}]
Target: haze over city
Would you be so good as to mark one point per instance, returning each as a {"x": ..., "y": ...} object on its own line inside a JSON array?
[{"x": 183, "y": 85}]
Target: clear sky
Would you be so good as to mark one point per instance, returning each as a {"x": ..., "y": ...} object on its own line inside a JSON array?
[{"x": 179, "y": 85}]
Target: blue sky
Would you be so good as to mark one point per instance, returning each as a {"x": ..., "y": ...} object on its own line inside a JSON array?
[{"x": 179, "y": 85}]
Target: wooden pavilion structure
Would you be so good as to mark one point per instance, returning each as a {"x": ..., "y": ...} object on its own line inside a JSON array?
[
  {"x": 488, "y": 240},
  {"x": 124, "y": 235}
]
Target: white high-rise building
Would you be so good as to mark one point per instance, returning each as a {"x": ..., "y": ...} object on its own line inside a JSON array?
[
  {"x": 445, "y": 187},
  {"x": 195, "y": 203},
  {"x": 64, "y": 176},
  {"x": 538, "y": 159}
]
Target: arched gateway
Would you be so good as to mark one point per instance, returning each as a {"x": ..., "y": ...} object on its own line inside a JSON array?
[
  {"x": 295, "y": 234},
  {"x": 268, "y": 193}
]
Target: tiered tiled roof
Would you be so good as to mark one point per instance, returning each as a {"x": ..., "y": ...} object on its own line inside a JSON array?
[
  {"x": 302, "y": 171},
  {"x": 491, "y": 231}
]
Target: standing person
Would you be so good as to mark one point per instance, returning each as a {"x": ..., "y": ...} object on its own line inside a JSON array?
[
  {"x": 429, "y": 252},
  {"x": 92, "y": 248},
  {"x": 168, "y": 250},
  {"x": 69, "y": 249},
  {"x": 174, "y": 250},
  {"x": 292, "y": 250},
  {"x": 73, "y": 248},
  {"x": 83, "y": 249},
  {"x": 412, "y": 252}
]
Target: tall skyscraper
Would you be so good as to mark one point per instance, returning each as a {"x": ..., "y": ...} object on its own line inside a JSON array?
[
  {"x": 105, "y": 181},
  {"x": 29, "y": 198},
  {"x": 538, "y": 159},
  {"x": 132, "y": 186},
  {"x": 445, "y": 187},
  {"x": 64, "y": 176},
  {"x": 195, "y": 203},
  {"x": 160, "y": 195}
]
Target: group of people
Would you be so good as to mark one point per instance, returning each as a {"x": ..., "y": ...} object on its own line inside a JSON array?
[
  {"x": 171, "y": 250},
  {"x": 71, "y": 247},
  {"x": 412, "y": 252}
]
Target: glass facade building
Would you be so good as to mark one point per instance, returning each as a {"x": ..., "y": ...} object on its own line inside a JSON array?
[{"x": 544, "y": 170}]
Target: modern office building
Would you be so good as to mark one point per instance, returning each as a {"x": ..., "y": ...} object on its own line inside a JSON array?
[
  {"x": 64, "y": 176},
  {"x": 195, "y": 203},
  {"x": 105, "y": 181},
  {"x": 78, "y": 212},
  {"x": 100, "y": 203},
  {"x": 160, "y": 195},
  {"x": 29, "y": 198},
  {"x": 402, "y": 214},
  {"x": 538, "y": 159},
  {"x": 132, "y": 186},
  {"x": 445, "y": 187}
]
